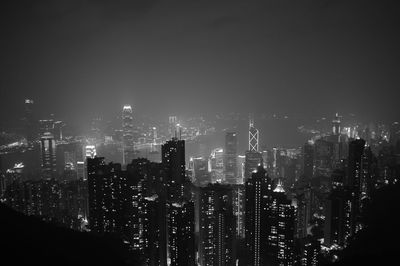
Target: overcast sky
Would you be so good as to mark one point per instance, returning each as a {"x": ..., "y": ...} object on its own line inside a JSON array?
[{"x": 77, "y": 58}]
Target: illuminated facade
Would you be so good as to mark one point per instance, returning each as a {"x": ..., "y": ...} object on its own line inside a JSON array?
[
  {"x": 217, "y": 225},
  {"x": 257, "y": 217},
  {"x": 230, "y": 159},
  {"x": 253, "y": 159},
  {"x": 48, "y": 155},
  {"x": 253, "y": 136},
  {"x": 181, "y": 242},
  {"x": 128, "y": 151},
  {"x": 173, "y": 159}
]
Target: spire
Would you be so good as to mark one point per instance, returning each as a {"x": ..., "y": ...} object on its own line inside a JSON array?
[{"x": 279, "y": 188}]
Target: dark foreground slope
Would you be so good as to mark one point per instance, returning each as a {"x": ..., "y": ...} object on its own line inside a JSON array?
[
  {"x": 29, "y": 241},
  {"x": 379, "y": 243}
]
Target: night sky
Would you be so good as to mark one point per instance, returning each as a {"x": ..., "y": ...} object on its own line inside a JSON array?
[{"x": 80, "y": 58}]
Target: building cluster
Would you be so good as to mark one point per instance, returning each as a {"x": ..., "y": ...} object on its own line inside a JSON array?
[{"x": 274, "y": 206}]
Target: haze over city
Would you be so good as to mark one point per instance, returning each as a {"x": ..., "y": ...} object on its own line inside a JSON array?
[{"x": 202, "y": 133}]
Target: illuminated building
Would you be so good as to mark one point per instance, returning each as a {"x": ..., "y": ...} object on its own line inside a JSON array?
[
  {"x": 282, "y": 228},
  {"x": 253, "y": 136},
  {"x": 172, "y": 125},
  {"x": 127, "y": 135},
  {"x": 181, "y": 242},
  {"x": 173, "y": 159},
  {"x": 257, "y": 217},
  {"x": 253, "y": 159},
  {"x": 154, "y": 231},
  {"x": 238, "y": 203},
  {"x": 309, "y": 251},
  {"x": 394, "y": 137},
  {"x": 90, "y": 151},
  {"x": 240, "y": 168},
  {"x": 308, "y": 160},
  {"x": 29, "y": 121},
  {"x": 230, "y": 162},
  {"x": 217, "y": 164},
  {"x": 217, "y": 225},
  {"x": 106, "y": 184},
  {"x": 336, "y": 125},
  {"x": 200, "y": 171},
  {"x": 48, "y": 155}
]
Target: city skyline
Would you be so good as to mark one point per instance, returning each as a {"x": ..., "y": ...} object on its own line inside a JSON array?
[
  {"x": 199, "y": 133},
  {"x": 101, "y": 55}
]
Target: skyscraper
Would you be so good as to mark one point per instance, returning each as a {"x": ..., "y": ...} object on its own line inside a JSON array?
[
  {"x": 253, "y": 159},
  {"x": 258, "y": 215},
  {"x": 308, "y": 160},
  {"x": 48, "y": 155},
  {"x": 253, "y": 136},
  {"x": 173, "y": 159},
  {"x": 217, "y": 225},
  {"x": 282, "y": 230},
  {"x": 230, "y": 163},
  {"x": 29, "y": 120},
  {"x": 127, "y": 135},
  {"x": 181, "y": 242}
]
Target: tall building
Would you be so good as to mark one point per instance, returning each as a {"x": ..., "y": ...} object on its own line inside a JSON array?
[
  {"x": 181, "y": 242},
  {"x": 173, "y": 159},
  {"x": 308, "y": 160},
  {"x": 217, "y": 226},
  {"x": 29, "y": 121},
  {"x": 217, "y": 165},
  {"x": 106, "y": 186},
  {"x": 201, "y": 175},
  {"x": 127, "y": 135},
  {"x": 282, "y": 228},
  {"x": 230, "y": 163},
  {"x": 172, "y": 126},
  {"x": 253, "y": 136},
  {"x": 336, "y": 125},
  {"x": 355, "y": 176},
  {"x": 338, "y": 214},
  {"x": 257, "y": 217},
  {"x": 48, "y": 155},
  {"x": 253, "y": 159},
  {"x": 154, "y": 231}
]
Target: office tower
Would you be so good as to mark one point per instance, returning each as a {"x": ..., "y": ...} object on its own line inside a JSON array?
[
  {"x": 323, "y": 157},
  {"x": 181, "y": 242},
  {"x": 338, "y": 216},
  {"x": 172, "y": 124},
  {"x": 173, "y": 159},
  {"x": 29, "y": 121},
  {"x": 258, "y": 191},
  {"x": 106, "y": 186},
  {"x": 90, "y": 151},
  {"x": 127, "y": 135},
  {"x": 217, "y": 225},
  {"x": 238, "y": 203},
  {"x": 48, "y": 155},
  {"x": 253, "y": 159},
  {"x": 305, "y": 210},
  {"x": 230, "y": 162},
  {"x": 241, "y": 159},
  {"x": 336, "y": 125},
  {"x": 282, "y": 228},
  {"x": 201, "y": 175},
  {"x": 308, "y": 160},
  {"x": 309, "y": 251},
  {"x": 154, "y": 231},
  {"x": 253, "y": 136},
  {"x": 217, "y": 165},
  {"x": 355, "y": 176}
]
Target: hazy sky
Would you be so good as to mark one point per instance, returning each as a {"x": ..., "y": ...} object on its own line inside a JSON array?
[{"x": 82, "y": 57}]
